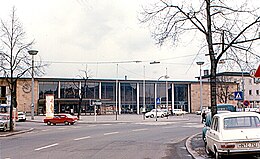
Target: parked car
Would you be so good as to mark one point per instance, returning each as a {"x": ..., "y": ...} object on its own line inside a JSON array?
[
  {"x": 198, "y": 112},
  {"x": 21, "y": 116},
  {"x": 178, "y": 112},
  {"x": 152, "y": 113},
  {"x": 208, "y": 123},
  {"x": 234, "y": 133},
  {"x": 228, "y": 107},
  {"x": 61, "y": 118},
  {"x": 166, "y": 112},
  {"x": 4, "y": 122}
]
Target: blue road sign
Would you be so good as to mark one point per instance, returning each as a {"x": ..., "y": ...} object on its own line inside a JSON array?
[
  {"x": 238, "y": 95},
  {"x": 158, "y": 100}
]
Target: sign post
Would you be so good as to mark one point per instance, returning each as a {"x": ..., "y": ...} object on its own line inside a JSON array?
[{"x": 158, "y": 102}]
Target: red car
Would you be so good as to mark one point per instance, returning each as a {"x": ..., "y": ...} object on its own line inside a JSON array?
[{"x": 61, "y": 118}]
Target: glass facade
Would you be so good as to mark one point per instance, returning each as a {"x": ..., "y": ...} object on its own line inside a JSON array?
[
  {"x": 181, "y": 96},
  {"x": 69, "y": 89},
  {"x": 129, "y": 98},
  {"x": 149, "y": 95},
  {"x": 48, "y": 88}
]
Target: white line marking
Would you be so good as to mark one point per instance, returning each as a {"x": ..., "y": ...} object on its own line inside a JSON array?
[
  {"x": 111, "y": 133},
  {"x": 48, "y": 146},
  {"x": 82, "y": 138},
  {"x": 140, "y": 130},
  {"x": 106, "y": 124},
  {"x": 62, "y": 128},
  {"x": 92, "y": 125},
  {"x": 46, "y": 130}
]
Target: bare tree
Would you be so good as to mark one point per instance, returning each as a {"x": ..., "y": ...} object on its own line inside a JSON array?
[
  {"x": 15, "y": 60},
  {"x": 225, "y": 89},
  {"x": 227, "y": 29}
]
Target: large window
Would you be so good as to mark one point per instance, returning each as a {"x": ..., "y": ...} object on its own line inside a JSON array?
[
  {"x": 69, "y": 89},
  {"x": 181, "y": 96},
  {"x": 48, "y": 88},
  {"x": 90, "y": 90},
  {"x": 149, "y": 96},
  {"x": 128, "y": 97},
  {"x": 108, "y": 91}
]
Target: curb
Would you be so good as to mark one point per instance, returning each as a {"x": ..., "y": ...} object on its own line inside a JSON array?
[
  {"x": 16, "y": 133},
  {"x": 193, "y": 153}
]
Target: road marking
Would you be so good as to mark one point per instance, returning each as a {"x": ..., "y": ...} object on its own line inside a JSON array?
[
  {"x": 139, "y": 130},
  {"x": 106, "y": 124},
  {"x": 82, "y": 138},
  {"x": 111, "y": 133},
  {"x": 45, "y": 147},
  {"x": 192, "y": 126},
  {"x": 92, "y": 125},
  {"x": 45, "y": 130},
  {"x": 62, "y": 128}
]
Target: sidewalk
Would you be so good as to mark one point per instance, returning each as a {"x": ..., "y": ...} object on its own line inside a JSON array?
[{"x": 194, "y": 144}]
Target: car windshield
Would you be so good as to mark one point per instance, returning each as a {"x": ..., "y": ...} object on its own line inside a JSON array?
[
  {"x": 69, "y": 116},
  {"x": 241, "y": 122}
]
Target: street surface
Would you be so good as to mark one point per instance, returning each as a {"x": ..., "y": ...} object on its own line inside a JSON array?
[{"x": 144, "y": 140}]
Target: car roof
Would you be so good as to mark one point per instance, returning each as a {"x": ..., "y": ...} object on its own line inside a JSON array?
[{"x": 235, "y": 114}]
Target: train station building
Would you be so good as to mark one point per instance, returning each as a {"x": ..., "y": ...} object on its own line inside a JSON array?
[{"x": 121, "y": 96}]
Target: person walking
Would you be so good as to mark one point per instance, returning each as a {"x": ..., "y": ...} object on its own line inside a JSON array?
[{"x": 203, "y": 115}]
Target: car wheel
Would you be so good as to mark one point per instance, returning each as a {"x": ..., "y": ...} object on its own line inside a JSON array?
[
  {"x": 217, "y": 155},
  {"x": 162, "y": 115},
  {"x": 48, "y": 123},
  {"x": 208, "y": 151},
  {"x": 72, "y": 123},
  {"x": 151, "y": 116},
  {"x": 5, "y": 128},
  {"x": 66, "y": 123}
]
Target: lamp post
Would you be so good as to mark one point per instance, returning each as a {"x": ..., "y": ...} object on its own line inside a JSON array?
[
  {"x": 166, "y": 77},
  {"x": 200, "y": 63},
  {"x": 32, "y": 52},
  {"x": 116, "y": 89}
]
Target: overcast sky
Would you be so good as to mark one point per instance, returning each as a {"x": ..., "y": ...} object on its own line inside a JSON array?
[{"x": 72, "y": 33}]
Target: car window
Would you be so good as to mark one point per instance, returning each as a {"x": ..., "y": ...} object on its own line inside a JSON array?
[
  {"x": 242, "y": 122},
  {"x": 215, "y": 124}
]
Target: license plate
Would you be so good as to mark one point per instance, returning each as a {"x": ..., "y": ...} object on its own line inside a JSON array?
[{"x": 248, "y": 145}]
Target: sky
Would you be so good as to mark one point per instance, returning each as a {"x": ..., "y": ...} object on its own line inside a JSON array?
[{"x": 103, "y": 37}]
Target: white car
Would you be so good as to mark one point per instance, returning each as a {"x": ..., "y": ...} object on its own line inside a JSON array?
[
  {"x": 4, "y": 122},
  {"x": 152, "y": 113},
  {"x": 21, "y": 116},
  {"x": 178, "y": 112},
  {"x": 234, "y": 133}
]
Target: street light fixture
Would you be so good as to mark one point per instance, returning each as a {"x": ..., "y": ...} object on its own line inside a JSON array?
[
  {"x": 200, "y": 63},
  {"x": 32, "y": 52},
  {"x": 166, "y": 77}
]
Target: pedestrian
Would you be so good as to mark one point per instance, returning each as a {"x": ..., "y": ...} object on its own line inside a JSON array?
[{"x": 203, "y": 115}]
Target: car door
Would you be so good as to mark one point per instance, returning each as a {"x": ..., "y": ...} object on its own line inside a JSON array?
[{"x": 213, "y": 133}]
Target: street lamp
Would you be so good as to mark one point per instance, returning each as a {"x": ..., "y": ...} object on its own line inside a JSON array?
[
  {"x": 32, "y": 52},
  {"x": 200, "y": 63},
  {"x": 166, "y": 77}
]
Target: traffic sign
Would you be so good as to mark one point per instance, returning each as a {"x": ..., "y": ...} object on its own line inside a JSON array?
[
  {"x": 238, "y": 95},
  {"x": 257, "y": 73},
  {"x": 158, "y": 100},
  {"x": 97, "y": 102},
  {"x": 252, "y": 73},
  {"x": 246, "y": 103}
]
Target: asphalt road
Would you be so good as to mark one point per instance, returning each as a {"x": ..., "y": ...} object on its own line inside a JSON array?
[{"x": 149, "y": 140}]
